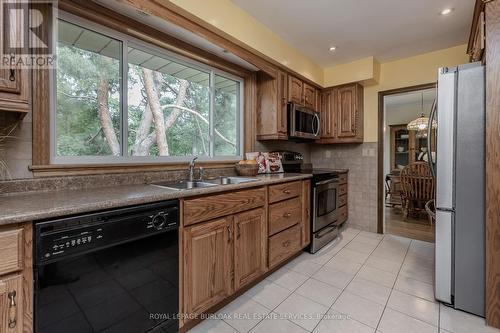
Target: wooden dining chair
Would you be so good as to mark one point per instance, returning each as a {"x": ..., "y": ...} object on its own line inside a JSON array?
[{"x": 418, "y": 187}]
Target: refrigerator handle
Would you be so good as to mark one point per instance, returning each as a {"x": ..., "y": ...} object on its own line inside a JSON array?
[{"x": 429, "y": 139}]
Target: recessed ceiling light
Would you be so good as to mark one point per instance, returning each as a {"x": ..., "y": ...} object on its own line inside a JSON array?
[
  {"x": 333, "y": 48},
  {"x": 446, "y": 11}
]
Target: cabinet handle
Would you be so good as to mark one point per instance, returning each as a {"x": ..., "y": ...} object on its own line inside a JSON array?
[
  {"x": 239, "y": 231},
  {"x": 286, "y": 244},
  {"x": 229, "y": 234},
  {"x": 12, "y": 309},
  {"x": 12, "y": 73},
  {"x": 287, "y": 215},
  {"x": 286, "y": 191}
]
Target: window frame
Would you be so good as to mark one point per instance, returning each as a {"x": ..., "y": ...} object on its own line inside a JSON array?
[{"x": 126, "y": 41}]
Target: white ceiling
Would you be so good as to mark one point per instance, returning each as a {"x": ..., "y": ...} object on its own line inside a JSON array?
[{"x": 386, "y": 29}]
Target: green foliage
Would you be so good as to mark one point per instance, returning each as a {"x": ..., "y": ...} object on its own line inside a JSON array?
[{"x": 78, "y": 126}]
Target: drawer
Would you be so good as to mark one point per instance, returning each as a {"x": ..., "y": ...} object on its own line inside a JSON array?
[
  {"x": 218, "y": 205},
  {"x": 342, "y": 214},
  {"x": 342, "y": 200},
  {"x": 283, "y": 245},
  {"x": 284, "y": 191},
  {"x": 284, "y": 214},
  {"x": 342, "y": 189},
  {"x": 343, "y": 178},
  {"x": 11, "y": 248}
]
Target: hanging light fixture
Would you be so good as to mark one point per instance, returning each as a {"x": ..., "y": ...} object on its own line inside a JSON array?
[{"x": 421, "y": 123}]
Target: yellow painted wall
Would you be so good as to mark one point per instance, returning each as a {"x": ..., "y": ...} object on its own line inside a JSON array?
[
  {"x": 234, "y": 21},
  {"x": 406, "y": 72},
  {"x": 366, "y": 69}
]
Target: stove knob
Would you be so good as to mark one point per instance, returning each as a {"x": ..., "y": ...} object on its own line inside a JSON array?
[{"x": 159, "y": 221}]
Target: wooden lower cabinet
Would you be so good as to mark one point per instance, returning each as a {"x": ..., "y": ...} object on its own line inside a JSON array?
[
  {"x": 11, "y": 304},
  {"x": 250, "y": 246},
  {"x": 208, "y": 263}
]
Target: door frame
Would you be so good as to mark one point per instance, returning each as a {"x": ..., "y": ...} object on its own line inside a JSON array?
[{"x": 380, "y": 149}]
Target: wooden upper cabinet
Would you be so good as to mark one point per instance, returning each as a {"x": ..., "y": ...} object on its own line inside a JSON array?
[
  {"x": 310, "y": 93},
  {"x": 342, "y": 114},
  {"x": 477, "y": 36},
  {"x": 346, "y": 112},
  {"x": 14, "y": 82},
  {"x": 295, "y": 90},
  {"x": 326, "y": 116},
  {"x": 272, "y": 98},
  {"x": 250, "y": 246},
  {"x": 207, "y": 264}
]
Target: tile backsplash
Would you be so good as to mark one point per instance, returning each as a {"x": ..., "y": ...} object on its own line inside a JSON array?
[{"x": 361, "y": 160}]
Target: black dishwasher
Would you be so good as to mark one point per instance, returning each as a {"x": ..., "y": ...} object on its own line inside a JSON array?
[{"x": 110, "y": 271}]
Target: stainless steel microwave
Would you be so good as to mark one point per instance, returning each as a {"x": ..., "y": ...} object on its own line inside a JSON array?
[{"x": 303, "y": 123}]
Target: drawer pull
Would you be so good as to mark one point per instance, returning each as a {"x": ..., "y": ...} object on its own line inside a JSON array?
[
  {"x": 12, "y": 309},
  {"x": 287, "y": 215},
  {"x": 287, "y": 191},
  {"x": 286, "y": 244},
  {"x": 239, "y": 230}
]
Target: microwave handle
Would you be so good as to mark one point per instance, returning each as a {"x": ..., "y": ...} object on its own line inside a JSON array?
[{"x": 316, "y": 120}]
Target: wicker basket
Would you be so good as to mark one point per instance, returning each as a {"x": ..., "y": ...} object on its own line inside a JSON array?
[{"x": 247, "y": 169}]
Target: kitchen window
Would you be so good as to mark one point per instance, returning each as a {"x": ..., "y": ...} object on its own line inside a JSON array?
[{"x": 117, "y": 99}]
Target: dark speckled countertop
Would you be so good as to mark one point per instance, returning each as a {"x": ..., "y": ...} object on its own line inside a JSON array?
[{"x": 23, "y": 207}]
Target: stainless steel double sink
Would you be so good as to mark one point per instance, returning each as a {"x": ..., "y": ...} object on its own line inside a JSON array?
[{"x": 188, "y": 185}]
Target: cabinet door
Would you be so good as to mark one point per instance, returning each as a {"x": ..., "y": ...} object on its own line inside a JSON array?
[
  {"x": 295, "y": 90},
  {"x": 309, "y": 96},
  {"x": 14, "y": 81},
  {"x": 346, "y": 112},
  {"x": 282, "y": 102},
  {"x": 327, "y": 119},
  {"x": 11, "y": 304},
  {"x": 250, "y": 246},
  {"x": 207, "y": 264}
]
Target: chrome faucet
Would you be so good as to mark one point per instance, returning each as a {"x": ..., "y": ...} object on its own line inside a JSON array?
[{"x": 191, "y": 168}]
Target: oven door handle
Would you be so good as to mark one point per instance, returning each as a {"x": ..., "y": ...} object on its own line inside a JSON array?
[{"x": 328, "y": 181}]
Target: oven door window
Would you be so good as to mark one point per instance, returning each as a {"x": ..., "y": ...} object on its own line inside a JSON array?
[{"x": 327, "y": 201}]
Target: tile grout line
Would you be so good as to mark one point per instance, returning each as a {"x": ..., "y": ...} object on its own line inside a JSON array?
[
  {"x": 343, "y": 289},
  {"x": 292, "y": 292}
]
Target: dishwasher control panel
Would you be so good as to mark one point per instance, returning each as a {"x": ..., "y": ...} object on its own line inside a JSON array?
[{"x": 69, "y": 236}]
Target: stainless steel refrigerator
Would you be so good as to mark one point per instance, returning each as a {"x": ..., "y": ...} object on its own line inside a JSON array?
[{"x": 460, "y": 187}]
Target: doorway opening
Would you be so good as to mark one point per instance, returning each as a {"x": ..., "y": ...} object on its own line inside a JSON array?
[{"x": 404, "y": 182}]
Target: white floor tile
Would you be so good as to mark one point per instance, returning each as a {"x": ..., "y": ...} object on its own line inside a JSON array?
[
  {"x": 268, "y": 293},
  {"x": 417, "y": 273},
  {"x": 243, "y": 313},
  {"x": 370, "y": 290},
  {"x": 345, "y": 265},
  {"x": 396, "y": 322},
  {"x": 288, "y": 279},
  {"x": 355, "y": 256},
  {"x": 367, "y": 240},
  {"x": 212, "y": 326},
  {"x": 414, "y": 307},
  {"x": 419, "y": 262},
  {"x": 415, "y": 287},
  {"x": 274, "y": 323},
  {"x": 390, "y": 253},
  {"x": 303, "y": 265},
  {"x": 378, "y": 276},
  {"x": 383, "y": 264},
  {"x": 302, "y": 311},
  {"x": 319, "y": 292},
  {"x": 362, "y": 247},
  {"x": 371, "y": 234},
  {"x": 342, "y": 324},
  {"x": 361, "y": 309},
  {"x": 461, "y": 322},
  {"x": 333, "y": 277}
]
